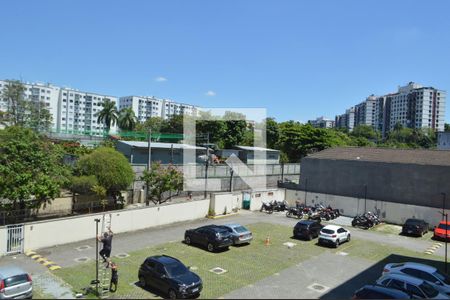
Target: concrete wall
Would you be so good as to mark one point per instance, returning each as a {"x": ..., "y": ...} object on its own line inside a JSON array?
[
  {"x": 258, "y": 197},
  {"x": 3, "y": 235},
  {"x": 401, "y": 183},
  {"x": 72, "y": 229},
  {"x": 221, "y": 201},
  {"x": 390, "y": 212}
]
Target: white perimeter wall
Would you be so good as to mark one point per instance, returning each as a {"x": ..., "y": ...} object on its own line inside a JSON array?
[
  {"x": 3, "y": 241},
  {"x": 68, "y": 230},
  {"x": 258, "y": 197},
  {"x": 395, "y": 213},
  {"x": 222, "y": 201}
]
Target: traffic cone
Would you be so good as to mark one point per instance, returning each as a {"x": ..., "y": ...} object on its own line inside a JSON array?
[{"x": 267, "y": 241}]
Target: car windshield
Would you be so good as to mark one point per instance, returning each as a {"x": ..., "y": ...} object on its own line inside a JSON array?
[
  {"x": 176, "y": 269},
  {"x": 413, "y": 222},
  {"x": 240, "y": 229},
  {"x": 430, "y": 291},
  {"x": 443, "y": 226},
  {"x": 15, "y": 280},
  {"x": 329, "y": 231},
  {"x": 442, "y": 277}
]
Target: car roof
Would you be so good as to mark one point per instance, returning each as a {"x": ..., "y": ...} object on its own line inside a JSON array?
[
  {"x": 419, "y": 266},
  {"x": 233, "y": 225},
  {"x": 332, "y": 227},
  {"x": 414, "y": 220},
  {"x": 443, "y": 222},
  {"x": 386, "y": 290},
  {"x": 164, "y": 259},
  {"x": 306, "y": 222},
  {"x": 403, "y": 277},
  {"x": 213, "y": 227},
  {"x": 8, "y": 271}
]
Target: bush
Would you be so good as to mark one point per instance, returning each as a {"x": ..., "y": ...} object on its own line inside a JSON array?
[
  {"x": 83, "y": 184},
  {"x": 110, "y": 168}
]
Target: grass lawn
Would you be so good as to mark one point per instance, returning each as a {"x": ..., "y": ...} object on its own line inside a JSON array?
[
  {"x": 245, "y": 265},
  {"x": 396, "y": 229}
]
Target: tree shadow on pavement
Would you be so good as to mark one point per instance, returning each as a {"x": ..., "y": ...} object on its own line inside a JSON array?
[{"x": 370, "y": 275}]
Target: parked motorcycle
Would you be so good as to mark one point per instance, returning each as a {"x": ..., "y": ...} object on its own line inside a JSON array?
[
  {"x": 362, "y": 221},
  {"x": 294, "y": 212},
  {"x": 267, "y": 207},
  {"x": 279, "y": 205}
]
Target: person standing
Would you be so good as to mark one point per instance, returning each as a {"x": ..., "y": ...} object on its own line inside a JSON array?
[
  {"x": 114, "y": 277},
  {"x": 105, "y": 253}
]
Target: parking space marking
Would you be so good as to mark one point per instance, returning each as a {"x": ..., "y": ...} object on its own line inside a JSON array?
[{"x": 432, "y": 248}]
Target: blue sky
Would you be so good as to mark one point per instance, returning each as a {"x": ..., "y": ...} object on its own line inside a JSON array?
[{"x": 298, "y": 59}]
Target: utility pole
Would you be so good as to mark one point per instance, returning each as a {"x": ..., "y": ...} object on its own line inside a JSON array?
[
  {"x": 306, "y": 189},
  {"x": 231, "y": 180},
  {"x": 365, "y": 198},
  {"x": 206, "y": 166},
  {"x": 149, "y": 163},
  {"x": 444, "y": 196},
  {"x": 446, "y": 239},
  {"x": 96, "y": 255}
]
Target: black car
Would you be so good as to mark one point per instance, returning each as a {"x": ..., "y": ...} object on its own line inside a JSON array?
[
  {"x": 170, "y": 276},
  {"x": 307, "y": 229},
  {"x": 379, "y": 292},
  {"x": 212, "y": 237},
  {"x": 415, "y": 227}
]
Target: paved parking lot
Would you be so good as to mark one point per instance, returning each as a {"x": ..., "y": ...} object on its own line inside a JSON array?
[{"x": 310, "y": 278}]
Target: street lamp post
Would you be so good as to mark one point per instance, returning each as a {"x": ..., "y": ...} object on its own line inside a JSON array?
[
  {"x": 149, "y": 163},
  {"x": 446, "y": 222},
  {"x": 96, "y": 254},
  {"x": 306, "y": 189},
  {"x": 365, "y": 198}
]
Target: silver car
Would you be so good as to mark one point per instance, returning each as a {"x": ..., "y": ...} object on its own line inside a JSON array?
[
  {"x": 240, "y": 234},
  {"x": 15, "y": 283}
]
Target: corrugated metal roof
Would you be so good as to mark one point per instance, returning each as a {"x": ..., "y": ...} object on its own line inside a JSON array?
[
  {"x": 160, "y": 145},
  {"x": 402, "y": 156}
]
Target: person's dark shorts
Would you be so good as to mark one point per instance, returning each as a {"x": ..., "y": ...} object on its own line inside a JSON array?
[{"x": 106, "y": 252}]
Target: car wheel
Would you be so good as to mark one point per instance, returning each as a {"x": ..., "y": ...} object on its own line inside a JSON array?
[
  {"x": 288, "y": 214},
  {"x": 172, "y": 294},
  {"x": 142, "y": 281},
  {"x": 337, "y": 243},
  {"x": 348, "y": 238},
  {"x": 210, "y": 247},
  {"x": 187, "y": 240}
]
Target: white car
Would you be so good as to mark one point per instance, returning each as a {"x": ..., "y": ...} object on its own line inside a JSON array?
[
  {"x": 416, "y": 287},
  {"x": 428, "y": 273},
  {"x": 334, "y": 235}
]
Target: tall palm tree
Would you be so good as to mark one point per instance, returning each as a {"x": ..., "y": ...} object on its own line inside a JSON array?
[
  {"x": 127, "y": 119},
  {"x": 108, "y": 115}
]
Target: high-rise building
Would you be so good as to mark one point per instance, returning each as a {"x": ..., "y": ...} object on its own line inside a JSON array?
[
  {"x": 149, "y": 106},
  {"x": 322, "y": 122},
  {"x": 346, "y": 120},
  {"x": 72, "y": 111},
  {"x": 413, "y": 106}
]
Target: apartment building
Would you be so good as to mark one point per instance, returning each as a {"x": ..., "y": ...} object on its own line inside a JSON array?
[
  {"x": 412, "y": 106},
  {"x": 72, "y": 111},
  {"x": 149, "y": 106},
  {"x": 346, "y": 120},
  {"x": 322, "y": 122}
]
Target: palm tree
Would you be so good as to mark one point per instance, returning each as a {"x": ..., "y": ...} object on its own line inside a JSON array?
[
  {"x": 108, "y": 115},
  {"x": 127, "y": 119}
]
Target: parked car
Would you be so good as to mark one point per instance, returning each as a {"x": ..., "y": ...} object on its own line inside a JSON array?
[
  {"x": 442, "y": 231},
  {"x": 15, "y": 283},
  {"x": 212, "y": 237},
  {"x": 418, "y": 288},
  {"x": 334, "y": 235},
  {"x": 428, "y": 273},
  {"x": 240, "y": 234},
  {"x": 379, "y": 292},
  {"x": 170, "y": 276},
  {"x": 415, "y": 227},
  {"x": 307, "y": 229}
]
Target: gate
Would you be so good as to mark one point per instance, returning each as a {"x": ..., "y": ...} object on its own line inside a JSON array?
[{"x": 14, "y": 239}]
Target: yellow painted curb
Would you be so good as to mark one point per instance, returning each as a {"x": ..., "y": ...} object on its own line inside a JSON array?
[
  {"x": 36, "y": 256},
  {"x": 48, "y": 263},
  {"x": 222, "y": 216},
  {"x": 429, "y": 252},
  {"x": 40, "y": 260},
  {"x": 54, "y": 268},
  {"x": 29, "y": 253}
]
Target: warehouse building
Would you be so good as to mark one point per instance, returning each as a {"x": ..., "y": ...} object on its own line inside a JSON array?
[{"x": 417, "y": 177}]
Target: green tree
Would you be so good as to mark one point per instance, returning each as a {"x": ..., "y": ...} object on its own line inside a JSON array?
[
  {"x": 236, "y": 126},
  {"x": 447, "y": 127},
  {"x": 14, "y": 93},
  {"x": 30, "y": 168},
  {"x": 110, "y": 167},
  {"x": 161, "y": 180},
  {"x": 173, "y": 125},
  {"x": 127, "y": 119},
  {"x": 108, "y": 115},
  {"x": 37, "y": 117},
  {"x": 101, "y": 193},
  {"x": 365, "y": 131},
  {"x": 272, "y": 133},
  {"x": 83, "y": 184},
  {"x": 153, "y": 123}
]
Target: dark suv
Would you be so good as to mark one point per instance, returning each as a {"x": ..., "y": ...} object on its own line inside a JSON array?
[
  {"x": 170, "y": 276},
  {"x": 307, "y": 229},
  {"x": 212, "y": 237},
  {"x": 415, "y": 227}
]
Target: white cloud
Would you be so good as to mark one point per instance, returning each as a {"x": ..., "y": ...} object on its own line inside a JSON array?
[
  {"x": 210, "y": 93},
  {"x": 160, "y": 79}
]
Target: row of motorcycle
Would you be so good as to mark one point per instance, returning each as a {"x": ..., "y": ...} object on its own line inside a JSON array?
[
  {"x": 316, "y": 212},
  {"x": 366, "y": 220}
]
